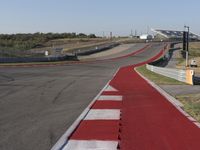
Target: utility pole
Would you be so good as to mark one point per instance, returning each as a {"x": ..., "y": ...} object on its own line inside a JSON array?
[
  {"x": 187, "y": 47},
  {"x": 111, "y": 35},
  {"x": 131, "y": 33},
  {"x": 135, "y": 33},
  {"x": 147, "y": 29},
  {"x": 103, "y": 34}
]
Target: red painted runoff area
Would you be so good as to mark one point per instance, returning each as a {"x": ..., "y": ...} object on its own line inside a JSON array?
[
  {"x": 107, "y": 105},
  {"x": 110, "y": 93},
  {"x": 106, "y": 130},
  {"x": 149, "y": 121}
]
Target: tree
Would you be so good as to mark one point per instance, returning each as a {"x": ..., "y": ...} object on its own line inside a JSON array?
[{"x": 92, "y": 36}]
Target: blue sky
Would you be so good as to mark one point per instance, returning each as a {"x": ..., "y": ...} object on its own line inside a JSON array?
[{"x": 96, "y": 16}]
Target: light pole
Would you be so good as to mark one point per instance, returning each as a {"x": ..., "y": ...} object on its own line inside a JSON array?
[{"x": 187, "y": 49}]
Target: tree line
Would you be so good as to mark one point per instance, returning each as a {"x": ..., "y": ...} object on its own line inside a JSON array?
[{"x": 28, "y": 41}]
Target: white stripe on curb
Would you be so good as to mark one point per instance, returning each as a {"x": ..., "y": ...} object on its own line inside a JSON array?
[
  {"x": 103, "y": 114},
  {"x": 110, "y": 88},
  {"x": 110, "y": 97},
  {"x": 91, "y": 145}
]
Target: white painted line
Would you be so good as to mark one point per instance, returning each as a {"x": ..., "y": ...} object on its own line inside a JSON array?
[
  {"x": 91, "y": 145},
  {"x": 103, "y": 114},
  {"x": 183, "y": 112},
  {"x": 116, "y": 72},
  {"x": 197, "y": 124},
  {"x": 191, "y": 119},
  {"x": 110, "y": 97},
  {"x": 110, "y": 88}
]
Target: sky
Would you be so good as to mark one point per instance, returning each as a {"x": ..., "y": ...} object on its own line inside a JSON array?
[{"x": 98, "y": 16}]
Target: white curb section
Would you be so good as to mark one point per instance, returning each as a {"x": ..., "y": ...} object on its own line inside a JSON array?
[
  {"x": 110, "y": 98},
  {"x": 110, "y": 89},
  {"x": 103, "y": 114},
  {"x": 91, "y": 145}
]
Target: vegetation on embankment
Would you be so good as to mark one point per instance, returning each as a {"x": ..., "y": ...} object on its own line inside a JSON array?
[
  {"x": 29, "y": 41},
  {"x": 194, "y": 50}
]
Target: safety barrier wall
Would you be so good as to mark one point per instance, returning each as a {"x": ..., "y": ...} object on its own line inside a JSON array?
[
  {"x": 58, "y": 58},
  {"x": 180, "y": 75},
  {"x": 36, "y": 59},
  {"x": 97, "y": 49}
]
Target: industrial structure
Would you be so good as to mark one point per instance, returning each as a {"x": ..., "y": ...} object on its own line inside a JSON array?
[
  {"x": 171, "y": 34},
  {"x": 146, "y": 37}
]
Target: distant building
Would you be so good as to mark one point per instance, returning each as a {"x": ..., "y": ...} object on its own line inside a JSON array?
[
  {"x": 170, "y": 34},
  {"x": 146, "y": 37}
]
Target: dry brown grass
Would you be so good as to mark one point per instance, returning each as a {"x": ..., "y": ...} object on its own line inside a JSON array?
[
  {"x": 194, "y": 51},
  {"x": 191, "y": 104},
  {"x": 195, "y": 45},
  {"x": 70, "y": 44}
]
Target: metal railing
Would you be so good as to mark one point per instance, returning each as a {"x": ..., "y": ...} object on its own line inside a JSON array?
[{"x": 180, "y": 75}]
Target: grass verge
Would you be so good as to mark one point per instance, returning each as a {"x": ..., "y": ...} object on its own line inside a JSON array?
[
  {"x": 191, "y": 104},
  {"x": 156, "y": 78}
]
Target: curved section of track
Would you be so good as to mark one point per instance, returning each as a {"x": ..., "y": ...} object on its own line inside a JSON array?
[{"x": 40, "y": 103}]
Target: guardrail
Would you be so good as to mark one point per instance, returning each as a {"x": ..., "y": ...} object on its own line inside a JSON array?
[{"x": 180, "y": 75}]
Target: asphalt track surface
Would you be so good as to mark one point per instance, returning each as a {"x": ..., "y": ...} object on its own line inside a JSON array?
[{"x": 38, "y": 104}]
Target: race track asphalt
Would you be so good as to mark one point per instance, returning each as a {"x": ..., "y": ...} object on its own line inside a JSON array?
[{"x": 38, "y": 104}]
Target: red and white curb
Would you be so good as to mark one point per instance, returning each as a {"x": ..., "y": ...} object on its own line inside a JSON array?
[
  {"x": 98, "y": 126},
  {"x": 91, "y": 145}
]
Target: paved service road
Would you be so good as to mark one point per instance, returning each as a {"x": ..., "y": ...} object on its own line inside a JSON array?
[{"x": 37, "y": 105}]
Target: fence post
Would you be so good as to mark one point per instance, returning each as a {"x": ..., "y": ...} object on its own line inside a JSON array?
[{"x": 189, "y": 76}]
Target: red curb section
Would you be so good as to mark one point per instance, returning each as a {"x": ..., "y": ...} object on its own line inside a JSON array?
[
  {"x": 149, "y": 121},
  {"x": 106, "y": 130},
  {"x": 107, "y": 105},
  {"x": 110, "y": 93}
]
